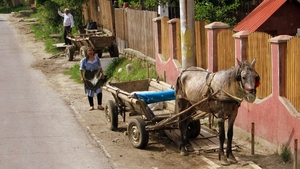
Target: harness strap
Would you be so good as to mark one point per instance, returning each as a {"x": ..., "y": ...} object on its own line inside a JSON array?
[{"x": 209, "y": 78}]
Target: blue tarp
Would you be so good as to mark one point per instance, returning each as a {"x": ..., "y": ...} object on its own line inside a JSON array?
[{"x": 156, "y": 96}]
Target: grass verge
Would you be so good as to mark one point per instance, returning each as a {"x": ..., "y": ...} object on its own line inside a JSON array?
[{"x": 117, "y": 70}]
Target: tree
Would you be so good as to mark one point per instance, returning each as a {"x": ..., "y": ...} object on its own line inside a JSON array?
[
  {"x": 217, "y": 10},
  {"x": 6, "y": 4}
]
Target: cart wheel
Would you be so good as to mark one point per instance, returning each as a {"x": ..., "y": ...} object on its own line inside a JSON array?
[
  {"x": 83, "y": 51},
  {"x": 194, "y": 129},
  {"x": 70, "y": 52},
  {"x": 111, "y": 115},
  {"x": 137, "y": 133},
  {"x": 113, "y": 50},
  {"x": 99, "y": 53}
]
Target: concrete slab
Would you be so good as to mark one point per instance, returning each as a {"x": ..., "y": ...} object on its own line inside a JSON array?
[
  {"x": 105, "y": 62},
  {"x": 60, "y": 45}
]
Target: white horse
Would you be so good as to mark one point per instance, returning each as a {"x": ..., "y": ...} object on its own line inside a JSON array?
[{"x": 230, "y": 86}]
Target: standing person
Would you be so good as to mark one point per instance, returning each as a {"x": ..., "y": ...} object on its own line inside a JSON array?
[
  {"x": 91, "y": 74},
  {"x": 68, "y": 24}
]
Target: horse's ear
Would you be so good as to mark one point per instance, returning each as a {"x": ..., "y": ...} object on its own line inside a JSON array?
[
  {"x": 253, "y": 62},
  {"x": 239, "y": 62}
]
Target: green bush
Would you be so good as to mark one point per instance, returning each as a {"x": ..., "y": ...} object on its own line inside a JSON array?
[
  {"x": 74, "y": 73},
  {"x": 285, "y": 154}
]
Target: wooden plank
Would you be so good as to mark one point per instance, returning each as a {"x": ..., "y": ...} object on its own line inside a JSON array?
[
  {"x": 210, "y": 149},
  {"x": 173, "y": 136},
  {"x": 60, "y": 45}
]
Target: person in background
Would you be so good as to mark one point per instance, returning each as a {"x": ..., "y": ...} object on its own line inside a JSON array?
[
  {"x": 92, "y": 76},
  {"x": 68, "y": 24}
]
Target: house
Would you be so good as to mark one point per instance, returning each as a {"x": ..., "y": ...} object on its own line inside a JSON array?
[{"x": 275, "y": 17}]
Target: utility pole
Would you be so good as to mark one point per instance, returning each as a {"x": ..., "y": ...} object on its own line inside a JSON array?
[{"x": 187, "y": 21}]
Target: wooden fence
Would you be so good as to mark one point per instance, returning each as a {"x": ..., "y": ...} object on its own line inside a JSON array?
[
  {"x": 225, "y": 50},
  {"x": 99, "y": 11},
  {"x": 135, "y": 28},
  {"x": 292, "y": 78},
  {"x": 260, "y": 48}
]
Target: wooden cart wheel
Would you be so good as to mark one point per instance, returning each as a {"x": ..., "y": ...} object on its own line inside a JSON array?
[
  {"x": 137, "y": 134},
  {"x": 70, "y": 52},
  {"x": 111, "y": 115},
  {"x": 113, "y": 50},
  {"x": 99, "y": 53},
  {"x": 194, "y": 129},
  {"x": 83, "y": 51}
]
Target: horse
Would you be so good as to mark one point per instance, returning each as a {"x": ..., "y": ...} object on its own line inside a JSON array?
[{"x": 221, "y": 94}]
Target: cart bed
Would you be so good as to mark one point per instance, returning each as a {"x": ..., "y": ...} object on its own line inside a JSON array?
[{"x": 138, "y": 95}]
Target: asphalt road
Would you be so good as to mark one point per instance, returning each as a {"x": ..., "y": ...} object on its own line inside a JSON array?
[{"x": 37, "y": 129}]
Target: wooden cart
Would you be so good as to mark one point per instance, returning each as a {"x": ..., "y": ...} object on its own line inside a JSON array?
[
  {"x": 99, "y": 41},
  {"x": 134, "y": 97}
]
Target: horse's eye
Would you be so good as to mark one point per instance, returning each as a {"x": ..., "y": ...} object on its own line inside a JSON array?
[{"x": 257, "y": 78}]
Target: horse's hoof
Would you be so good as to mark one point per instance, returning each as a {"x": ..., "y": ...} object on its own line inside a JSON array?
[
  {"x": 231, "y": 159},
  {"x": 224, "y": 161}
]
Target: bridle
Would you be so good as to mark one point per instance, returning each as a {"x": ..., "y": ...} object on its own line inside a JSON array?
[{"x": 238, "y": 78}]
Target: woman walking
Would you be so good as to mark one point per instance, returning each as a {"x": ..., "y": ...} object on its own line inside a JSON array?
[{"x": 92, "y": 76}]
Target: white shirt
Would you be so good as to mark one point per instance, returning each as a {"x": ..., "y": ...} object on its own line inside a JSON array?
[{"x": 68, "y": 19}]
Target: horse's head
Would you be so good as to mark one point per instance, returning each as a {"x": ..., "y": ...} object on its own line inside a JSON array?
[{"x": 248, "y": 79}]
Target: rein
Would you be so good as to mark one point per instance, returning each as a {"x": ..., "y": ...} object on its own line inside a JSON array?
[{"x": 209, "y": 80}]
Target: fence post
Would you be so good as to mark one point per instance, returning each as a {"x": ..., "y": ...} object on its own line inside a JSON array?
[
  {"x": 252, "y": 138},
  {"x": 241, "y": 43},
  {"x": 278, "y": 54},
  {"x": 157, "y": 40},
  {"x": 212, "y": 31},
  {"x": 295, "y": 153},
  {"x": 157, "y": 34},
  {"x": 172, "y": 35}
]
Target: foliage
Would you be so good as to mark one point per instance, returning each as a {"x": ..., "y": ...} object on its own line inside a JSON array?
[
  {"x": 155, "y": 3},
  {"x": 217, "y": 10},
  {"x": 50, "y": 19},
  {"x": 149, "y": 4},
  {"x": 6, "y": 8},
  {"x": 7, "y": 4},
  {"x": 43, "y": 34},
  {"x": 208, "y": 10},
  {"x": 74, "y": 73},
  {"x": 285, "y": 154}
]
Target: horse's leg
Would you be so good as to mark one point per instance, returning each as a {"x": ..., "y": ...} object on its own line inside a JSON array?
[
  {"x": 182, "y": 104},
  {"x": 222, "y": 157},
  {"x": 229, "y": 153}
]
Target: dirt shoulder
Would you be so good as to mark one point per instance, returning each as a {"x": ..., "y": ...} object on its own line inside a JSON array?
[{"x": 161, "y": 152}]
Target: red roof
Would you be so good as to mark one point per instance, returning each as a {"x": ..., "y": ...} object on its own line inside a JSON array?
[{"x": 259, "y": 15}]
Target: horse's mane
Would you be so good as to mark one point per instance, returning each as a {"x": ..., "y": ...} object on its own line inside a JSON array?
[{"x": 231, "y": 74}]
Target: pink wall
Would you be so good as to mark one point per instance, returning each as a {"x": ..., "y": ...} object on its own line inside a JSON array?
[
  {"x": 169, "y": 69},
  {"x": 274, "y": 117}
]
